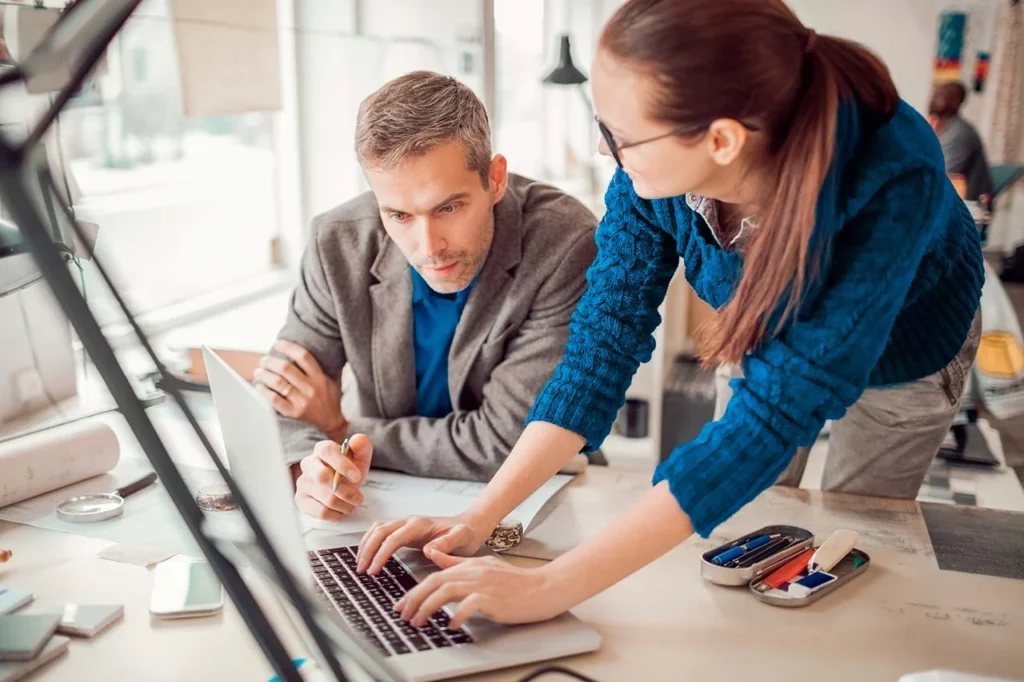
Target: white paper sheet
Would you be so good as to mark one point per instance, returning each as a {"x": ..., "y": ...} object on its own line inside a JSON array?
[
  {"x": 135, "y": 554},
  {"x": 389, "y": 495}
]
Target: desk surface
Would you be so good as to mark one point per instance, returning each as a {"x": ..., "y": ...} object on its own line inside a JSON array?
[{"x": 664, "y": 622}]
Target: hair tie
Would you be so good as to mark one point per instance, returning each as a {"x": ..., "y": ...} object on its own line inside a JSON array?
[{"x": 811, "y": 40}]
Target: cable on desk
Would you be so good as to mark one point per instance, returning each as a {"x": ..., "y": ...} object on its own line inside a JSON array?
[{"x": 557, "y": 670}]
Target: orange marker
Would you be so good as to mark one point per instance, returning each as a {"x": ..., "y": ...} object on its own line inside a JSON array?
[{"x": 789, "y": 570}]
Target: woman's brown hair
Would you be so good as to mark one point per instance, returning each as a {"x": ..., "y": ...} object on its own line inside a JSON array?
[{"x": 753, "y": 60}]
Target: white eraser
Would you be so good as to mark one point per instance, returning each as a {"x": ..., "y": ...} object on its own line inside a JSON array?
[{"x": 795, "y": 591}]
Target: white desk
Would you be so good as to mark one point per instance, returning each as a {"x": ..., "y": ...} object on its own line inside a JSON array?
[
  {"x": 902, "y": 615},
  {"x": 664, "y": 622}
]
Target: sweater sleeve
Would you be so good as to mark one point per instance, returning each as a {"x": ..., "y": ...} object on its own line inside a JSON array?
[
  {"x": 611, "y": 331},
  {"x": 818, "y": 366}
]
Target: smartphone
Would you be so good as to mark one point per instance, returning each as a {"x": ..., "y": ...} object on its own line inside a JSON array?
[{"x": 184, "y": 587}]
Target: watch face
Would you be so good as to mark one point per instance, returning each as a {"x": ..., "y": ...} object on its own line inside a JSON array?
[{"x": 506, "y": 535}]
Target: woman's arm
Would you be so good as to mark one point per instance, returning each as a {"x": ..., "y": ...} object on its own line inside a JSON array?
[
  {"x": 540, "y": 453},
  {"x": 649, "y": 529},
  {"x": 507, "y": 594}
]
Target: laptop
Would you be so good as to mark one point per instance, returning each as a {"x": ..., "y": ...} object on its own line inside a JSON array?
[{"x": 436, "y": 651}]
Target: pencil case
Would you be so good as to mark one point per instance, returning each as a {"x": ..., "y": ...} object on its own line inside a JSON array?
[
  {"x": 751, "y": 567},
  {"x": 799, "y": 539}
]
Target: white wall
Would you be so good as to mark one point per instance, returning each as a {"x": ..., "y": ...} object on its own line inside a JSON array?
[{"x": 904, "y": 34}]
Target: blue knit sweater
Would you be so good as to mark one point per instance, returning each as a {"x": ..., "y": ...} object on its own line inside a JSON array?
[{"x": 900, "y": 282}]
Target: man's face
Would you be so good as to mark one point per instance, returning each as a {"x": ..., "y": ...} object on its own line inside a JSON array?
[{"x": 440, "y": 214}]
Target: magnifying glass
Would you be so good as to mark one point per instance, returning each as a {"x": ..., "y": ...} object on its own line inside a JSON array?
[{"x": 100, "y": 506}]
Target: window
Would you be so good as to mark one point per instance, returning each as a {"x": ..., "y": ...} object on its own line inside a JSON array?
[
  {"x": 547, "y": 131},
  {"x": 520, "y": 56},
  {"x": 184, "y": 205}
]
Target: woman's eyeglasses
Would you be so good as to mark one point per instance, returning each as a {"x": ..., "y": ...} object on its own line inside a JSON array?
[{"x": 615, "y": 148}]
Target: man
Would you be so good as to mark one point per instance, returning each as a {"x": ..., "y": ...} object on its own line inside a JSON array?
[
  {"x": 445, "y": 293},
  {"x": 961, "y": 144}
]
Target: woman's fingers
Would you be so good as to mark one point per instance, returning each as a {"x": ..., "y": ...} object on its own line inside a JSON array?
[
  {"x": 469, "y": 606},
  {"x": 468, "y": 572},
  {"x": 405, "y": 536},
  {"x": 449, "y": 541},
  {"x": 414, "y": 598},
  {"x": 372, "y": 541},
  {"x": 443, "y": 560},
  {"x": 447, "y": 592}
]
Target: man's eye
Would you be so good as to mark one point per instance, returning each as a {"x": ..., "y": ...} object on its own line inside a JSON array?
[
  {"x": 449, "y": 208},
  {"x": 399, "y": 216}
]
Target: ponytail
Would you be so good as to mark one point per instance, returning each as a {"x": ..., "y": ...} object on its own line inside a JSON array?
[{"x": 778, "y": 265}]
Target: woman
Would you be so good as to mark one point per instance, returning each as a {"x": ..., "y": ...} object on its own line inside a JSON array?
[{"x": 810, "y": 206}]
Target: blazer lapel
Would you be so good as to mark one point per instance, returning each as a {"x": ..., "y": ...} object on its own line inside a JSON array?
[
  {"x": 393, "y": 358},
  {"x": 481, "y": 307}
]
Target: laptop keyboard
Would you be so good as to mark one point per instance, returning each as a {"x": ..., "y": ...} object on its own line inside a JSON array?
[{"x": 366, "y": 603}]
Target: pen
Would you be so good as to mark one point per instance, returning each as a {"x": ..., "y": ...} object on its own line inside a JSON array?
[
  {"x": 751, "y": 558},
  {"x": 337, "y": 474},
  {"x": 754, "y": 555},
  {"x": 730, "y": 554}
]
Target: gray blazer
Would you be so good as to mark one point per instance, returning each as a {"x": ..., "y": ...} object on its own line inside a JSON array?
[{"x": 352, "y": 310}]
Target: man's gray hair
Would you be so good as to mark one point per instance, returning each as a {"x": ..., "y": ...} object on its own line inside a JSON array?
[{"x": 414, "y": 113}]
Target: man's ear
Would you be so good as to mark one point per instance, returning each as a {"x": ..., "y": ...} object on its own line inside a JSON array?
[{"x": 498, "y": 176}]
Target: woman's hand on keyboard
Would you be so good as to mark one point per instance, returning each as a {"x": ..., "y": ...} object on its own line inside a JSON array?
[
  {"x": 491, "y": 587},
  {"x": 449, "y": 535}
]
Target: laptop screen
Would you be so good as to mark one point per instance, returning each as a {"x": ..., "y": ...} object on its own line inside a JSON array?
[{"x": 256, "y": 460}]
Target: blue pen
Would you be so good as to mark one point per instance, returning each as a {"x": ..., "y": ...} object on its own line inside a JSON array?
[{"x": 739, "y": 550}]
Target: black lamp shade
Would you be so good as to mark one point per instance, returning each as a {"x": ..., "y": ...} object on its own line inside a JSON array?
[{"x": 566, "y": 72}]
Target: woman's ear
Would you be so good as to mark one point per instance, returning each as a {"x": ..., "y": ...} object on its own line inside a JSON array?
[{"x": 725, "y": 139}]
